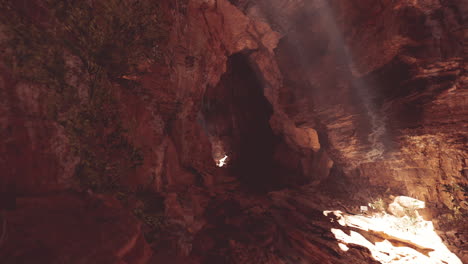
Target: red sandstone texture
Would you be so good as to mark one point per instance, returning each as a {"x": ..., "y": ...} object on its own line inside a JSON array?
[
  {"x": 68, "y": 228},
  {"x": 355, "y": 99}
]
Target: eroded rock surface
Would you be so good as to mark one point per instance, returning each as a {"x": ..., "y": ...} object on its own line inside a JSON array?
[
  {"x": 71, "y": 228},
  {"x": 359, "y": 99}
]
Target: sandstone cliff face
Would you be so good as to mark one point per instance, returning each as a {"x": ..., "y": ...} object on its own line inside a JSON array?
[
  {"x": 362, "y": 98},
  {"x": 368, "y": 78},
  {"x": 386, "y": 86}
]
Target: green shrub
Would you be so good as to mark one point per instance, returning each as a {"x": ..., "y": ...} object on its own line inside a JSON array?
[
  {"x": 458, "y": 205},
  {"x": 378, "y": 204}
]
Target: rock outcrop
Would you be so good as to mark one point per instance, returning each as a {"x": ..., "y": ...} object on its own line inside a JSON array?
[
  {"x": 71, "y": 228},
  {"x": 355, "y": 100}
]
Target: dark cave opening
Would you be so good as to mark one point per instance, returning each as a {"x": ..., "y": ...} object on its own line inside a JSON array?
[{"x": 237, "y": 114}]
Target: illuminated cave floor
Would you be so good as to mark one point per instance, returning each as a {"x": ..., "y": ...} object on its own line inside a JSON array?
[
  {"x": 391, "y": 239},
  {"x": 306, "y": 226},
  {"x": 298, "y": 226},
  {"x": 393, "y": 232}
]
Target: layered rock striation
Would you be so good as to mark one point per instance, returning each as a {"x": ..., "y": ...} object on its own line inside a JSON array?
[{"x": 316, "y": 104}]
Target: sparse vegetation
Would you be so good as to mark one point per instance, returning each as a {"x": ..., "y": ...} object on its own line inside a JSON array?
[
  {"x": 411, "y": 218},
  {"x": 378, "y": 205},
  {"x": 76, "y": 52},
  {"x": 410, "y": 222},
  {"x": 107, "y": 39},
  {"x": 459, "y": 205},
  {"x": 110, "y": 36}
]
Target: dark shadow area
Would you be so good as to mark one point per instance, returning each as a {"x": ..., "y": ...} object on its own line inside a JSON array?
[{"x": 237, "y": 112}]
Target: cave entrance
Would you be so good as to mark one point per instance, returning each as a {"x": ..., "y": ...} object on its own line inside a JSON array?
[{"x": 237, "y": 117}]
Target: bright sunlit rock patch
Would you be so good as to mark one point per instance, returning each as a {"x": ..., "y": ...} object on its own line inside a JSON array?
[
  {"x": 406, "y": 238},
  {"x": 221, "y": 162}
]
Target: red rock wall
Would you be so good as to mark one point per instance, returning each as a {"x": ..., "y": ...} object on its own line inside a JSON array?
[
  {"x": 363, "y": 95},
  {"x": 369, "y": 78}
]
